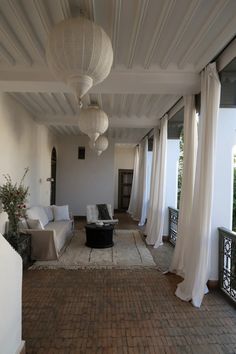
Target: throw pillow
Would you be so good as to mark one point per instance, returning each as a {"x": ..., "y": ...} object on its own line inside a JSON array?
[
  {"x": 35, "y": 224},
  {"x": 37, "y": 212},
  {"x": 48, "y": 210},
  {"x": 61, "y": 212},
  {"x": 103, "y": 213}
]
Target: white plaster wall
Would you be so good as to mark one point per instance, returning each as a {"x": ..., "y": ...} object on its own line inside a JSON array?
[
  {"x": 23, "y": 143},
  {"x": 124, "y": 159},
  {"x": 83, "y": 182},
  {"x": 171, "y": 179},
  {"x": 10, "y": 299},
  {"x": 223, "y": 183}
]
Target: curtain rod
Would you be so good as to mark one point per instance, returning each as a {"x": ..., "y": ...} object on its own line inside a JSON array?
[
  {"x": 169, "y": 110},
  {"x": 149, "y": 132}
]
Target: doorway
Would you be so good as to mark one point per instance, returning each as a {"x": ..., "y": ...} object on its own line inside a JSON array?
[
  {"x": 125, "y": 178},
  {"x": 53, "y": 176}
]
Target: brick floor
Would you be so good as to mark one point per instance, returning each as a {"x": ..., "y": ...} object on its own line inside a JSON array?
[{"x": 120, "y": 312}]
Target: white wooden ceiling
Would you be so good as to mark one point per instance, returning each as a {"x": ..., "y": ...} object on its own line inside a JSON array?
[{"x": 160, "y": 46}]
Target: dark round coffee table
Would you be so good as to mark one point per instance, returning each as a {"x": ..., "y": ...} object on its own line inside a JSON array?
[{"x": 99, "y": 236}]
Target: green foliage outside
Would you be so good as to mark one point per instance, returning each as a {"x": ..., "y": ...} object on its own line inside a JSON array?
[{"x": 180, "y": 167}]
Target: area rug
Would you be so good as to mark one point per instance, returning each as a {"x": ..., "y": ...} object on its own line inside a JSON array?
[{"x": 129, "y": 251}]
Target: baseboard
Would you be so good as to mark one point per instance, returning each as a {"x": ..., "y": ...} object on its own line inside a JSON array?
[
  {"x": 213, "y": 284},
  {"x": 22, "y": 348}
]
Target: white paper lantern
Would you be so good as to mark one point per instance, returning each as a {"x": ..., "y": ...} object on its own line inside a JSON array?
[
  {"x": 93, "y": 122},
  {"x": 101, "y": 144},
  {"x": 79, "y": 52}
]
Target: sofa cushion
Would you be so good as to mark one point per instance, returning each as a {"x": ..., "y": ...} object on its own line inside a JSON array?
[
  {"x": 61, "y": 212},
  {"x": 35, "y": 224},
  {"x": 62, "y": 230},
  {"x": 38, "y": 213}
]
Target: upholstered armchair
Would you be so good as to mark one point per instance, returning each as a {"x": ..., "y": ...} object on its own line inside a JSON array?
[{"x": 93, "y": 215}]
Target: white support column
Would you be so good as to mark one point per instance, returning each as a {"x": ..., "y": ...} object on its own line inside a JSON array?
[
  {"x": 171, "y": 179},
  {"x": 223, "y": 184}
]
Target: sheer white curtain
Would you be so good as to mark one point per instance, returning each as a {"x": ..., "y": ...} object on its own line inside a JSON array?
[
  {"x": 155, "y": 224},
  {"x": 186, "y": 198},
  {"x": 151, "y": 213},
  {"x": 134, "y": 188},
  {"x": 141, "y": 182},
  {"x": 198, "y": 243},
  {"x": 146, "y": 184}
]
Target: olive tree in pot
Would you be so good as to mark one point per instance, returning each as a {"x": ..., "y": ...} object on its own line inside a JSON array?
[{"x": 13, "y": 197}]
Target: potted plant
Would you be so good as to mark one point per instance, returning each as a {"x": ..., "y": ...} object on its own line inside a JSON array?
[{"x": 13, "y": 197}]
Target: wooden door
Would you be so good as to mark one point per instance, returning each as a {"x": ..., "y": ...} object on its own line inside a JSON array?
[
  {"x": 124, "y": 188},
  {"x": 53, "y": 176}
]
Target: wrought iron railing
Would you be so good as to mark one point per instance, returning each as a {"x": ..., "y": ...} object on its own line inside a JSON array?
[
  {"x": 173, "y": 224},
  {"x": 227, "y": 262}
]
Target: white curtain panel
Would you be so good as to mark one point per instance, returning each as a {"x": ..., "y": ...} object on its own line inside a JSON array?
[
  {"x": 156, "y": 224},
  {"x": 150, "y": 213},
  {"x": 140, "y": 188},
  {"x": 146, "y": 185},
  {"x": 198, "y": 246},
  {"x": 134, "y": 188},
  {"x": 186, "y": 198}
]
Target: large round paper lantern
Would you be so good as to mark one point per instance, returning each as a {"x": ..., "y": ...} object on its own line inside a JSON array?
[
  {"x": 93, "y": 122},
  {"x": 79, "y": 52}
]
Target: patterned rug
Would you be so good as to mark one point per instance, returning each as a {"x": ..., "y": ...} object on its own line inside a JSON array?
[{"x": 129, "y": 251}]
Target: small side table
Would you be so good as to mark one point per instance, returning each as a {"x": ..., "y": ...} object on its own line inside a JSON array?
[{"x": 99, "y": 236}]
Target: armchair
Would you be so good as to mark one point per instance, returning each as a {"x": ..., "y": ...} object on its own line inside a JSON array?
[{"x": 92, "y": 215}]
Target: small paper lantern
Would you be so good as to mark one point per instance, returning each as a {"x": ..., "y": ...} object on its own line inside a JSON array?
[
  {"x": 93, "y": 122},
  {"x": 101, "y": 144}
]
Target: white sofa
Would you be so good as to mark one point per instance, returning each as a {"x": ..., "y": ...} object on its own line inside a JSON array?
[{"x": 49, "y": 238}]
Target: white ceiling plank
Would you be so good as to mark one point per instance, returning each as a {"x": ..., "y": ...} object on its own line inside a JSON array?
[
  {"x": 34, "y": 98},
  {"x": 14, "y": 41},
  {"x": 6, "y": 55},
  {"x": 166, "y": 12},
  {"x": 21, "y": 100},
  {"x": 66, "y": 103},
  {"x": 212, "y": 51},
  {"x": 47, "y": 102},
  {"x": 70, "y": 105},
  {"x": 116, "y": 27},
  {"x": 139, "y": 18},
  {"x": 178, "y": 38},
  {"x": 57, "y": 100},
  {"x": 191, "y": 50},
  {"x": 26, "y": 28},
  {"x": 99, "y": 100},
  {"x": 123, "y": 104},
  {"x": 145, "y": 105},
  {"x": 43, "y": 15}
]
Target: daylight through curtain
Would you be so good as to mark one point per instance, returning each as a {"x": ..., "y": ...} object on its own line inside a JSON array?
[
  {"x": 155, "y": 223},
  {"x": 146, "y": 184},
  {"x": 134, "y": 187},
  {"x": 186, "y": 198},
  {"x": 198, "y": 243}
]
